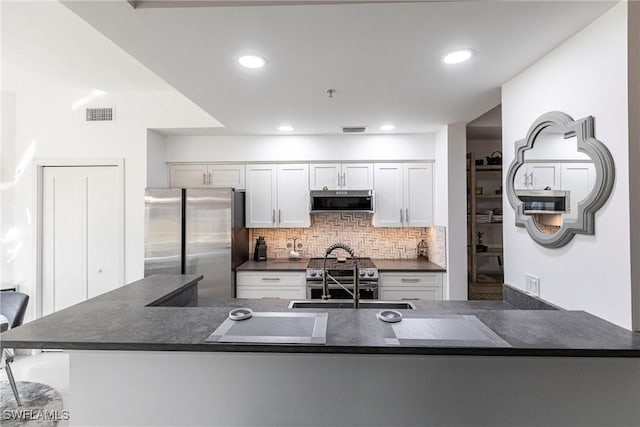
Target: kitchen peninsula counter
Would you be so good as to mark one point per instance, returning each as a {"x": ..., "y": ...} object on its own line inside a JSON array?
[
  {"x": 143, "y": 316},
  {"x": 158, "y": 360}
]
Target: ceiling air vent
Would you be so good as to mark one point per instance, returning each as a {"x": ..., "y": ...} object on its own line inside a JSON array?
[
  {"x": 100, "y": 114},
  {"x": 354, "y": 129}
]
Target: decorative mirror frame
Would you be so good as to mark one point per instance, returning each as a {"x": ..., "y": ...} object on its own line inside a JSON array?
[{"x": 583, "y": 129}]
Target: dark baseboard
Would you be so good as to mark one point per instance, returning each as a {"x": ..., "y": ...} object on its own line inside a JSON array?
[{"x": 523, "y": 301}]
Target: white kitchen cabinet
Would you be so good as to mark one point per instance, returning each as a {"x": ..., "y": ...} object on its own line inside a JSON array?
[
  {"x": 188, "y": 176},
  {"x": 418, "y": 194},
  {"x": 207, "y": 175},
  {"x": 341, "y": 176},
  {"x": 410, "y": 286},
  {"x": 538, "y": 176},
  {"x": 404, "y": 194},
  {"x": 293, "y": 196},
  {"x": 578, "y": 179},
  {"x": 269, "y": 284},
  {"x": 277, "y": 196},
  {"x": 388, "y": 195}
]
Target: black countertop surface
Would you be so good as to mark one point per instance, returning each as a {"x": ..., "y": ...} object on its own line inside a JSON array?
[{"x": 123, "y": 320}]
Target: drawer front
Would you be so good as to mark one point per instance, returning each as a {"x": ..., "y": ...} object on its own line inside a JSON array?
[
  {"x": 270, "y": 292},
  {"x": 410, "y": 279},
  {"x": 274, "y": 279},
  {"x": 411, "y": 294}
]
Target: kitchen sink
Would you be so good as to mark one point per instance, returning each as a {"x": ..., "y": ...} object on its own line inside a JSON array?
[{"x": 396, "y": 305}]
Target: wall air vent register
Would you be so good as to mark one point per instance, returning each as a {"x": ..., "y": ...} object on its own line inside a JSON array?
[{"x": 104, "y": 114}]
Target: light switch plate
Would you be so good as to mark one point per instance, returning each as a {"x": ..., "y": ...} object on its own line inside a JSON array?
[{"x": 532, "y": 284}]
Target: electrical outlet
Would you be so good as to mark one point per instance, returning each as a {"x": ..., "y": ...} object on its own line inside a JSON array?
[{"x": 532, "y": 284}]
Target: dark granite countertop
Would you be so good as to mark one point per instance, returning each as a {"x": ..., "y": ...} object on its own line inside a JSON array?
[
  {"x": 124, "y": 320},
  {"x": 274, "y": 264},
  {"x": 407, "y": 265}
]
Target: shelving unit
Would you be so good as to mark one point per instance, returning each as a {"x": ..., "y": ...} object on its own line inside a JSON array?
[{"x": 485, "y": 267}]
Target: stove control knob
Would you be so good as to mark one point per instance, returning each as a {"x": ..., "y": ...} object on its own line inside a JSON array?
[
  {"x": 320, "y": 273},
  {"x": 313, "y": 273},
  {"x": 370, "y": 273},
  {"x": 362, "y": 273}
]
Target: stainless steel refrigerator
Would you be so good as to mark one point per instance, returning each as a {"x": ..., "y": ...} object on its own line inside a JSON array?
[{"x": 196, "y": 231}]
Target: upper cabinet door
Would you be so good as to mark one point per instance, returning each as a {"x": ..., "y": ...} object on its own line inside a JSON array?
[
  {"x": 522, "y": 178},
  {"x": 578, "y": 179},
  {"x": 388, "y": 195},
  {"x": 543, "y": 175},
  {"x": 261, "y": 197},
  {"x": 188, "y": 176},
  {"x": 418, "y": 194},
  {"x": 226, "y": 176},
  {"x": 357, "y": 176},
  {"x": 325, "y": 175},
  {"x": 293, "y": 196}
]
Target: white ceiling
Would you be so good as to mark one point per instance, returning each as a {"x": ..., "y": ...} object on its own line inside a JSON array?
[{"x": 384, "y": 60}]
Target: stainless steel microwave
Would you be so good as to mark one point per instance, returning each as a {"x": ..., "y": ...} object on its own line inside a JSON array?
[
  {"x": 342, "y": 201},
  {"x": 544, "y": 201}
]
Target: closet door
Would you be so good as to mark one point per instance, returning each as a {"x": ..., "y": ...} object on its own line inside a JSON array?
[{"x": 81, "y": 234}]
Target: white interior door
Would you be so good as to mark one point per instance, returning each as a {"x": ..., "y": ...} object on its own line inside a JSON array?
[{"x": 81, "y": 234}]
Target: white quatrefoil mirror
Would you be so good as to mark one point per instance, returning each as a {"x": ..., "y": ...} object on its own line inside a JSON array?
[{"x": 560, "y": 177}]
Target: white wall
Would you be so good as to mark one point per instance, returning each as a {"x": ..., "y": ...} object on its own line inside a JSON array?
[
  {"x": 47, "y": 127},
  {"x": 299, "y": 147},
  {"x": 157, "y": 175},
  {"x": 451, "y": 205},
  {"x": 634, "y": 155},
  {"x": 8, "y": 239},
  {"x": 586, "y": 75}
]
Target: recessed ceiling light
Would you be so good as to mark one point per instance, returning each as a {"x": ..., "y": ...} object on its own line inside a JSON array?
[
  {"x": 387, "y": 127},
  {"x": 458, "y": 56},
  {"x": 285, "y": 128},
  {"x": 252, "y": 61}
]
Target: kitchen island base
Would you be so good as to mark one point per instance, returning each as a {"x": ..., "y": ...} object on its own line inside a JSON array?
[{"x": 310, "y": 389}]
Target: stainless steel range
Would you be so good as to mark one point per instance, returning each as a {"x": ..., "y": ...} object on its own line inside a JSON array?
[{"x": 342, "y": 271}]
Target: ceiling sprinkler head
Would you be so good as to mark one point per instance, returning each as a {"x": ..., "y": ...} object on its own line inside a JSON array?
[{"x": 330, "y": 92}]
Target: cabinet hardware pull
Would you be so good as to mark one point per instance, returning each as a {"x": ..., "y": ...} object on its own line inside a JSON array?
[
  {"x": 204, "y": 178},
  {"x": 271, "y": 279},
  {"x": 405, "y": 280},
  {"x": 401, "y": 216},
  {"x": 406, "y": 216},
  {"x": 279, "y": 216},
  {"x": 410, "y": 299},
  {"x": 344, "y": 179},
  {"x": 273, "y": 216},
  {"x": 209, "y": 178}
]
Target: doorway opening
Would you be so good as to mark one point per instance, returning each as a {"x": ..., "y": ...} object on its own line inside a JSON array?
[{"x": 484, "y": 206}]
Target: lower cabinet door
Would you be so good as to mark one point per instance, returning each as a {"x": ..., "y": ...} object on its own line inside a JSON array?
[
  {"x": 411, "y": 286},
  {"x": 270, "y": 284}
]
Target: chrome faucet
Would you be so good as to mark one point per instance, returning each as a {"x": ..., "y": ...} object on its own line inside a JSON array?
[{"x": 356, "y": 275}]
